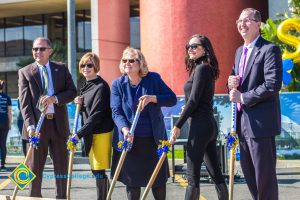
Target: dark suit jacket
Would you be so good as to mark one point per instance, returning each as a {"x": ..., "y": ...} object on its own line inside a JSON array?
[
  {"x": 121, "y": 104},
  {"x": 260, "y": 88},
  {"x": 30, "y": 90}
]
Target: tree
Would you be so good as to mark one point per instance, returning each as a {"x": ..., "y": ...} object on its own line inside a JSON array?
[{"x": 59, "y": 54}]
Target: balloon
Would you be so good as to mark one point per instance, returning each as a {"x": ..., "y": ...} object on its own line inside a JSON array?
[
  {"x": 286, "y": 78},
  {"x": 284, "y": 36},
  {"x": 287, "y": 65}
]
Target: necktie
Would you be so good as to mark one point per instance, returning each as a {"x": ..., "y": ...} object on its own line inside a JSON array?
[
  {"x": 243, "y": 64},
  {"x": 241, "y": 71},
  {"x": 45, "y": 80}
]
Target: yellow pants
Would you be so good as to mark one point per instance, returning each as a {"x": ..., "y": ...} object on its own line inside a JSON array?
[{"x": 100, "y": 153}]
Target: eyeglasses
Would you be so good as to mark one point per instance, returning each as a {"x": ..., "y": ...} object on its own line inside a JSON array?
[
  {"x": 129, "y": 60},
  {"x": 245, "y": 20},
  {"x": 192, "y": 46},
  {"x": 86, "y": 65},
  {"x": 35, "y": 49}
]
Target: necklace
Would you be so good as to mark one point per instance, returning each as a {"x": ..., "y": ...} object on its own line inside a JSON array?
[{"x": 135, "y": 83}]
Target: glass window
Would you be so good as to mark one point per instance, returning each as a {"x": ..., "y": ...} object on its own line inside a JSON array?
[
  {"x": 84, "y": 35},
  {"x": 2, "y": 38},
  {"x": 14, "y": 36},
  {"x": 88, "y": 31},
  {"x": 88, "y": 36},
  {"x": 33, "y": 28},
  {"x": 134, "y": 8},
  {"x": 80, "y": 36},
  {"x": 80, "y": 30},
  {"x": 55, "y": 27},
  {"x": 135, "y": 32}
]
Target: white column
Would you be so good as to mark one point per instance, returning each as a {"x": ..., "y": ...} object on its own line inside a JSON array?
[{"x": 95, "y": 26}]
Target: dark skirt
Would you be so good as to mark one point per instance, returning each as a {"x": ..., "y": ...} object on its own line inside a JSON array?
[{"x": 140, "y": 163}]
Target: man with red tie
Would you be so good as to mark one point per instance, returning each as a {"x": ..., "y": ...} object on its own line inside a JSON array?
[
  {"x": 46, "y": 86},
  {"x": 255, "y": 83}
]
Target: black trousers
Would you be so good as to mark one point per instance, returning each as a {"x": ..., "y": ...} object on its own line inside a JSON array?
[
  {"x": 212, "y": 165},
  {"x": 258, "y": 163},
  {"x": 134, "y": 193},
  {"x": 201, "y": 146},
  {"x": 3, "y": 137}
]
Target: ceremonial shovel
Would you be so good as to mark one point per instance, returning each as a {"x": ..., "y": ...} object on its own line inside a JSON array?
[
  {"x": 124, "y": 152},
  {"x": 72, "y": 153},
  {"x": 232, "y": 143},
  {"x": 156, "y": 170},
  {"x": 30, "y": 150}
]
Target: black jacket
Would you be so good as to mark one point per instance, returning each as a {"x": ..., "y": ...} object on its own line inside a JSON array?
[{"x": 95, "y": 111}]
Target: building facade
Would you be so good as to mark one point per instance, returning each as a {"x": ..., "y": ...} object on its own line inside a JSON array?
[{"x": 159, "y": 27}]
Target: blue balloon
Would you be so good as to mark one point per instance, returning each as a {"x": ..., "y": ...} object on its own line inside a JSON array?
[
  {"x": 287, "y": 65},
  {"x": 286, "y": 78}
]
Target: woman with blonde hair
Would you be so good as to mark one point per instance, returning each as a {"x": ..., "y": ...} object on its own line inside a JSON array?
[
  {"x": 97, "y": 121},
  {"x": 138, "y": 84}
]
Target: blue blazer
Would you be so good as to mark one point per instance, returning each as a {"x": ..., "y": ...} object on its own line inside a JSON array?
[{"x": 121, "y": 103}]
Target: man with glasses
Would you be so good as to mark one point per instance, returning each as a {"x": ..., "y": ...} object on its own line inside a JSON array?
[
  {"x": 254, "y": 85},
  {"x": 46, "y": 86}
]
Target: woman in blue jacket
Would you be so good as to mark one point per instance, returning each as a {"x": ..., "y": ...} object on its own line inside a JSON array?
[{"x": 138, "y": 84}]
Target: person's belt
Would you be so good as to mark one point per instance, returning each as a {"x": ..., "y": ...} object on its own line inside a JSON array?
[{"x": 50, "y": 116}]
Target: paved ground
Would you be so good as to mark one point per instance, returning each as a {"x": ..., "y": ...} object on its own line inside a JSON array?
[{"x": 83, "y": 186}]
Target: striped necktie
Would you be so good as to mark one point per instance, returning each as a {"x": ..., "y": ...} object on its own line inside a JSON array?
[{"x": 45, "y": 80}]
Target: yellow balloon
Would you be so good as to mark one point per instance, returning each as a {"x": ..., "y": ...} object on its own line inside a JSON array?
[{"x": 282, "y": 33}]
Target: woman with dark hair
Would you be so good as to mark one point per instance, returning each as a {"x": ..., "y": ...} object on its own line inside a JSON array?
[
  {"x": 202, "y": 66},
  {"x": 5, "y": 123},
  {"x": 97, "y": 121}
]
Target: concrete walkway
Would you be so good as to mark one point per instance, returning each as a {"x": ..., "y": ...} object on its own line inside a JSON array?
[{"x": 83, "y": 185}]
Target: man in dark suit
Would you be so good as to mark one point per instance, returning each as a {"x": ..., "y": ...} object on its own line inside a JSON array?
[
  {"x": 49, "y": 85},
  {"x": 255, "y": 84}
]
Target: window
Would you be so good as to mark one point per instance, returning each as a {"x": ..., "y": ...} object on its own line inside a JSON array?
[
  {"x": 56, "y": 27},
  {"x": 2, "y": 38},
  {"x": 17, "y": 33},
  {"x": 135, "y": 32},
  {"x": 14, "y": 36},
  {"x": 33, "y": 28},
  {"x": 84, "y": 35}
]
